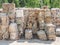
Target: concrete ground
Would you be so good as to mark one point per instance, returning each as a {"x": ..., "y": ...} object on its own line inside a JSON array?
[{"x": 30, "y": 42}]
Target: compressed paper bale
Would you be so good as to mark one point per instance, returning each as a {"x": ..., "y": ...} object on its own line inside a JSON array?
[
  {"x": 19, "y": 16},
  {"x": 52, "y": 37},
  {"x": 41, "y": 34},
  {"x": 9, "y": 8},
  {"x": 20, "y": 13},
  {"x": 47, "y": 12},
  {"x": 11, "y": 12},
  {"x": 14, "y": 36},
  {"x": 27, "y": 12},
  {"x": 48, "y": 19},
  {"x": 41, "y": 12},
  {"x": 4, "y": 32},
  {"x": 57, "y": 21},
  {"x": 53, "y": 12},
  {"x": 50, "y": 30},
  {"x": 58, "y": 31},
  {"x": 28, "y": 34},
  {"x": 5, "y": 7},
  {"x": 57, "y": 12},
  {"x": 13, "y": 27},
  {"x": 4, "y": 19},
  {"x": 33, "y": 15},
  {"x": 6, "y": 35},
  {"x": 13, "y": 30}
]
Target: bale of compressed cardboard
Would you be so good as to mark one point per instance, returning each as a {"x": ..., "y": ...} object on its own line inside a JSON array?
[
  {"x": 42, "y": 35},
  {"x": 13, "y": 30},
  {"x": 50, "y": 30},
  {"x": 57, "y": 21},
  {"x": 48, "y": 19},
  {"x": 47, "y": 12},
  {"x": 14, "y": 36},
  {"x": 4, "y": 32},
  {"x": 55, "y": 12},
  {"x": 19, "y": 16},
  {"x": 4, "y": 19},
  {"x": 13, "y": 27},
  {"x": 28, "y": 34},
  {"x": 9, "y": 8}
]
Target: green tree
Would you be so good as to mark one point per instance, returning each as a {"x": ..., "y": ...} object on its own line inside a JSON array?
[
  {"x": 32, "y": 3},
  {"x": 16, "y": 3},
  {"x": 22, "y": 3}
]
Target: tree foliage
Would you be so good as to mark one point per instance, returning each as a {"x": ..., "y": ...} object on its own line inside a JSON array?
[{"x": 33, "y": 3}]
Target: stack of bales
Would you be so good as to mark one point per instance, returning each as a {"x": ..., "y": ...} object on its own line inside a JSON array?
[
  {"x": 56, "y": 17},
  {"x": 9, "y": 9},
  {"x": 46, "y": 25},
  {"x": 29, "y": 21},
  {"x": 50, "y": 31},
  {"x": 4, "y": 22},
  {"x": 20, "y": 20},
  {"x": 41, "y": 33},
  {"x": 49, "y": 26},
  {"x": 41, "y": 19},
  {"x": 13, "y": 31}
]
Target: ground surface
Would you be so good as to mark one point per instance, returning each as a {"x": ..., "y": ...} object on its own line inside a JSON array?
[{"x": 31, "y": 42}]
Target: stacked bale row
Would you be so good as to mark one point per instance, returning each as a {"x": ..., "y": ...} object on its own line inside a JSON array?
[
  {"x": 31, "y": 22},
  {"x": 4, "y": 21},
  {"x": 56, "y": 16},
  {"x": 9, "y": 9},
  {"x": 26, "y": 21},
  {"x": 46, "y": 24},
  {"x": 49, "y": 26}
]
